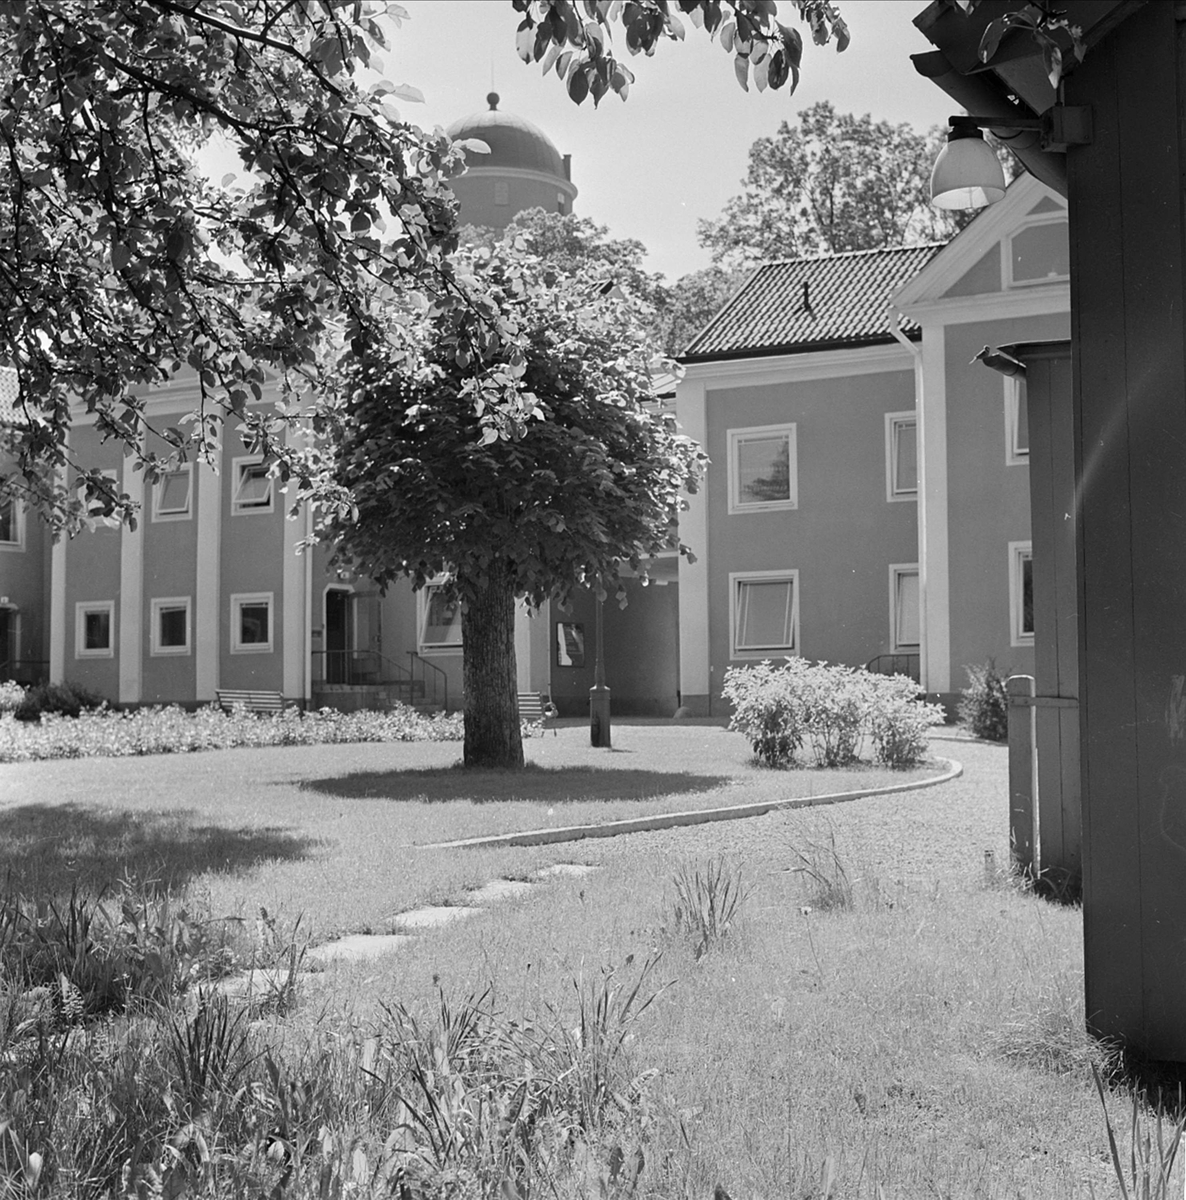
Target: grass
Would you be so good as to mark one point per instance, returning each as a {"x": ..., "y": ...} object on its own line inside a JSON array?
[
  {"x": 923, "y": 1038},
  {"x": 329, "y": 831}
]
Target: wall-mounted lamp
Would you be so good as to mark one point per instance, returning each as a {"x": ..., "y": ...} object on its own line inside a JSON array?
[{"x": 967, "y": 174}]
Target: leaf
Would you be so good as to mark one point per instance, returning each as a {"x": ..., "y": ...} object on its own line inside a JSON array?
[
  {"x": 405, "y": 91},
  {"x": 525, "y": 39},
  {"x": 578, "y": 85},
  {"x": 473, "y": 145},
  {"x": 760, "y": 73},
  {"x": 741, "y": 70},
  {"x": 991, "y": 39},
  {"x": 1052, "y": 60},
  {"x": 727, "y": 31}
]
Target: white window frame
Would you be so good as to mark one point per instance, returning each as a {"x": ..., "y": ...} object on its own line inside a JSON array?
[
  {"x": 761, "y": 432},
  {"x": 894, "y": 421},
  {"x": 1019, "y": 552},
  {"x": 18, "y": 528},
  {"x": 1047, "y": 218},
  {"x": 896, "y": 571},
  {"x": 238, "y": 600},
  {"x": 156, "y": 607},
  {"x": 239, "y": 467},
  {"x": 158, "y": 493},
  {"x": 1015, "y": 456},
  {"x": 81, "y": 610},
  {"x": 429, "y": 649},
  {"x": 736, "y": 578}
]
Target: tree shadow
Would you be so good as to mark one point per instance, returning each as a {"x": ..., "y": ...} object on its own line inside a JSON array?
[
  {"x": 556, "y": 785},
  {"x": 47, "y": 849}
]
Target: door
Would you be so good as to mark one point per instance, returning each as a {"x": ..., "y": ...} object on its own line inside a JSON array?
[{"x": 339, "y": 635}]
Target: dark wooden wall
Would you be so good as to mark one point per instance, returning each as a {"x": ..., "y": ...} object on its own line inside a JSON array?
[{"x": 1128, "y": 298}]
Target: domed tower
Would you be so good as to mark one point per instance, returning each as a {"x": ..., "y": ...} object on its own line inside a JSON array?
[{"x": 522, "y": 170}]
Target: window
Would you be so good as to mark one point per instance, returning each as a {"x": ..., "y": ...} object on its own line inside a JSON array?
[
  {"x": 12, "y": 524},
  {"x": 1039, "y": 253},
  {"x": 904, "y": 606},
  {"x": 1017, "y": 421},
  {"x": 171, "y": 495},
  {"x": 763, "y": 471},
  {"x": 251, "y": 623},
  {"x": 253, "y": 487},
  {"x": 1021, "y": 594},
  {"x": 92, "y": 629},
  {"x": 171, "y": 625},
  {"x": 764, "y": 613},
  {"x": 440, "y": 619},
  {"x": 901, "y": 456}
]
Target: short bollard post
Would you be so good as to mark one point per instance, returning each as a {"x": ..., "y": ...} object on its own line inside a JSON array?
[
  {"x": 1022, "y": 807},
  {"x": 599, "y": 721}
]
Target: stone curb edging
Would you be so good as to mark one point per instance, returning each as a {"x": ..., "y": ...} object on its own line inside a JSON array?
[{"x": 576, "y": 833}]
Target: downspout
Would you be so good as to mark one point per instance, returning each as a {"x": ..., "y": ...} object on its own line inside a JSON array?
[{"x": 894, "y": 318}]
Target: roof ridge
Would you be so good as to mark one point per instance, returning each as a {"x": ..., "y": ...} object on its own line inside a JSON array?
[{"x": 777, "y": 262}]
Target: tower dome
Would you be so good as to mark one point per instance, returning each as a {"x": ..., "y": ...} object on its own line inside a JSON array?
[{"x": 523, "y": 169}]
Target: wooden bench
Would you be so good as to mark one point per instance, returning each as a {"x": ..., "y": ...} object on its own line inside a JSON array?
[
  {"x": 535, "y": 707},
  {"x": 252, "y": 700}
]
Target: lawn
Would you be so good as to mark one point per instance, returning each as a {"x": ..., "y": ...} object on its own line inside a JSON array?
[
  {"x": 923, "y": 1038},
  {"x": 331, "y": 832}
]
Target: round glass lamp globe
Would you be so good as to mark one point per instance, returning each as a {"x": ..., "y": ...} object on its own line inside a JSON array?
[{"x": 967, "y": 174}]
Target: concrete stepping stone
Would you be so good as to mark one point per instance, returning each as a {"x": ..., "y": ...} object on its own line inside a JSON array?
[
  {"x": 498, "y": 889},
  {"x": 433, "y": 916},
  {"x": 564, "y": 870},
  {"x": 358, "y": 946}
]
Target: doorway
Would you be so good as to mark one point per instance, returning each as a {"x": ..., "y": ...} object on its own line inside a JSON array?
[{"x": 339, "y": 634}]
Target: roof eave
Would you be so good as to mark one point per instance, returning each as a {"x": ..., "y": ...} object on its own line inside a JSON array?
[{"x": 886, "y": 339}]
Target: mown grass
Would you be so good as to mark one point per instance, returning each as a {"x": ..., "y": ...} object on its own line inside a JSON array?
[{"x": 331, "y": 831}]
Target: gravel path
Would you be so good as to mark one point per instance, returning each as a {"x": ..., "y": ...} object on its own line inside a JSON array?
[{"x": 929, "y": 838}]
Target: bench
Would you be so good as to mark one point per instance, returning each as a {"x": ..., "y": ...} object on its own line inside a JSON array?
[
  {"x": 535, "y": 707},
  {"x": 252, "y": 700}
]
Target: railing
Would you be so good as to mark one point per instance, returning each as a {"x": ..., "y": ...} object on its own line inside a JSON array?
[
  {"x": 435, "y": 685},
  {"x": 368, "y": 668},
  {"x": 24, "y": 670},
  {"x": 896, "y": 664}
]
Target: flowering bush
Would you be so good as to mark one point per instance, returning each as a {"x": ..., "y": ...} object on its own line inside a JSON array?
[
  {"x": 108, "y": 734},
  {"x": 832, "y": 709},
  {"x": 66, "y": 699},
  {"x": 11, "y": 694}
]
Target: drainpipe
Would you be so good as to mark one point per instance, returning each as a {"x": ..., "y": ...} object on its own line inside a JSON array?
[{"x": 894, "y": 317}]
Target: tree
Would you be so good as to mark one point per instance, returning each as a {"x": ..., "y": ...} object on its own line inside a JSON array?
[
  {"x": 828, "y": 183},
  {"x": 592, "y": 480},
  {"x": 120, "y": 262},
  {"x": 575, "y": 38},
  {"x": 692, "y": 301}
]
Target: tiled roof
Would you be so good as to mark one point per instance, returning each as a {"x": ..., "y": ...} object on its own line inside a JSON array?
[
  {"x": 9, "y": 390},
  {"x": 812, "y": 304}
]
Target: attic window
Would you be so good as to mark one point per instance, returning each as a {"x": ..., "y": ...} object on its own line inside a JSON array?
[{"x": 1039, "y": 253}]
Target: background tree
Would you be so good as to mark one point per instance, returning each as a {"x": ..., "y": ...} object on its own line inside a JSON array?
[
  {"x": 692, "y": 301},
  {"x": 592, "y": 480},
  {"x": 830, "y": 182}
]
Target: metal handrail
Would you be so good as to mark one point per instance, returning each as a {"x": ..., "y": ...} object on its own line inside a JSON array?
[
  {"x": 896, "y": 664},
  {"x": 440, "y": 680}
]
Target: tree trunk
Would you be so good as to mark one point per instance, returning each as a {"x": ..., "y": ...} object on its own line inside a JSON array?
[{"x": 493, "y": 737}]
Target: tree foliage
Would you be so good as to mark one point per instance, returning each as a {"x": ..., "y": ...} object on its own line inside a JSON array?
[
  {"x": 591, "y": 484},
  {"x": 830, "y": 182},
  {"x": 575, "y": 38},
  {"x": 120, "y": 262}
]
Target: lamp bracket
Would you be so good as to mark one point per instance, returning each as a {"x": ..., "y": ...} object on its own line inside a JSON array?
[{"x": 1060, "y": 126}]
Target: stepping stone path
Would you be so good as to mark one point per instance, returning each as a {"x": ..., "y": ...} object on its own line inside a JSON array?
[{"x": 356, "y": 946}]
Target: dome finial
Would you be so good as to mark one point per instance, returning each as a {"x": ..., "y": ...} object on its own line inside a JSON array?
[{"x": 492, "y": 100}]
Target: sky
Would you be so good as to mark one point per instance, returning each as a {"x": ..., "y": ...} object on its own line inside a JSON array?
[{"x": 676, "y": 149}]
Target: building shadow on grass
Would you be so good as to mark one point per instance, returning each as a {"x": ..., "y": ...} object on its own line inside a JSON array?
[
  {"x": 556, "y": 785},
  {"x": 46, "y": 849}
]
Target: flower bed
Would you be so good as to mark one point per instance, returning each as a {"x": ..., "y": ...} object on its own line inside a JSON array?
[{"x": 172, "y": 730}]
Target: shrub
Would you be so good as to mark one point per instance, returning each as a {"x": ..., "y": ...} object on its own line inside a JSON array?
[
  {"x": 11, "y": 694},
  {"x": 63, "y": 699},
  {"x": 984, "y": 706},
  {"x": 831, "y": 708},
  {"x": 768, "y": 709},
  {"x": 899, "y": 722}
]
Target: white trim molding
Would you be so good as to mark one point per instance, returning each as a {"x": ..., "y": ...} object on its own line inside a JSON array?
[
  {"x": 694, "y": 659},
  {"x": 1020, "y": 553},
  {"x": 933, "y": 548},
  {"x": 716, "y": 374},
  {"x": 240, "y": 601},
  {"x": 898, "y": 572},
  {"x": 157, "y": 607},
  {"x": 736, "y": 438},
  {"x": 895, "y": 423},
  {"x": 87, "y": 608},
  {"x": 131, "y": 594}
]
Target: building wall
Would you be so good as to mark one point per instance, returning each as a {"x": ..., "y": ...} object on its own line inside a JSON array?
[
  {"x": 843, "y": 535},
  {"x": 988, "y": 500},
  {"x": 491, "y": 196},
  {"x": 24, "y": 569}
]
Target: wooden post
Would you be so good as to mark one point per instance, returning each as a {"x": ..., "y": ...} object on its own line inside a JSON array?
[{"x": 1022, "y": 834}]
